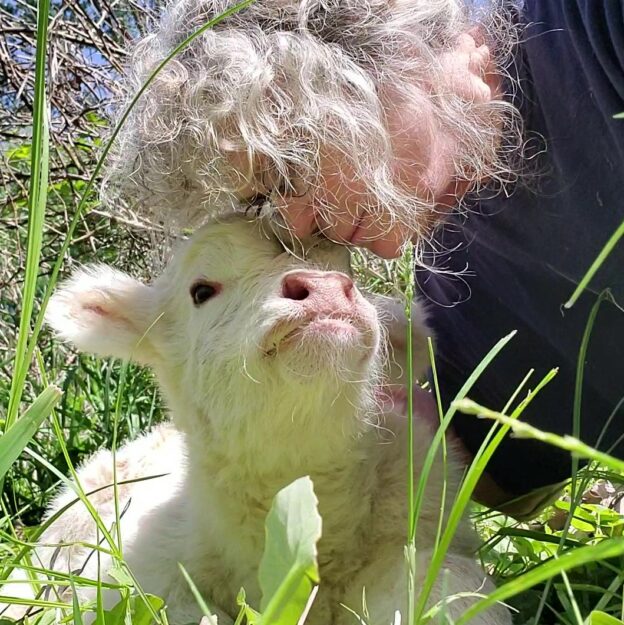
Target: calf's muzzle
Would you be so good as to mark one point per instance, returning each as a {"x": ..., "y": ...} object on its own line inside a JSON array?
[{"x": 321, "y": 292}]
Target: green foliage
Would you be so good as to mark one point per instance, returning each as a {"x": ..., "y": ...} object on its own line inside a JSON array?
[
  {"x": 289, "y": 570},
  {"x": 13, "y": 442},
  {"x": 614, "y": 239},
  {"x": 37, "y": 197},
  {"x": 600, "y": 618},
  {"x": 132, "y": 610},
  {"x": 551, "y": 573}
]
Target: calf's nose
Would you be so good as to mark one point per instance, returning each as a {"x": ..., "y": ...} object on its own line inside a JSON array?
[{"x": 321, "y": 290}]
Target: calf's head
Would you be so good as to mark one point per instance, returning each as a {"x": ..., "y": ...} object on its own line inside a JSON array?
[{"x": 236, "y": 327}]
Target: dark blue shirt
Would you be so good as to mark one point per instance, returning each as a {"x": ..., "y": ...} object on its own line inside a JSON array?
[{"x": 526, "y": 254}]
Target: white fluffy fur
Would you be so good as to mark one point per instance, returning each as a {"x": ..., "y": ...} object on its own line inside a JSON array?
[
  {"x": 248, "y": 421},
  {"x": 285, "y": 82}
]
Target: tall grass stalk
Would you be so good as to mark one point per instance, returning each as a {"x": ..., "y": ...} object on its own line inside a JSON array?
[
  {"x": 524, "y": 430},
  {"x": 411, "y": 526},
  {"x": 440, "y": 410},
  {"x": 448, "y": 416},
  {"x": 475, "y": 471},
  {"x": 117, "y": 416},
  {"x": 576, "y": 489},
  {"x": 595, "y": 266},
  {"x": 37, "y": 196},
  {"x": 416, "y": 492}
]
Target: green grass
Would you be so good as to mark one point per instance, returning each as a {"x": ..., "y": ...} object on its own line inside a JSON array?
[{"x": 550, "y": 572}]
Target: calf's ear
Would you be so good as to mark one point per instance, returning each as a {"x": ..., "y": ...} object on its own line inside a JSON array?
[{"x": 106, "y": 312}]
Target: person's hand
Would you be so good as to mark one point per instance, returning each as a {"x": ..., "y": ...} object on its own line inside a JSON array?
[{"x": 423, "y": 164}]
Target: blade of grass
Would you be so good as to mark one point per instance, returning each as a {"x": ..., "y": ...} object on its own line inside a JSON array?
[
  {"x": 476, "y": 469},
  {"x": 77, "y": 614},
  {"x": 409, "y": 299},
  {"x": 524, "y": 430},
  {"x": 576, "y": 612},
  {"x": 63, "y": 579},
  {"x": 436, "y": 390},
  {"x": 32, "y": 602},
  {"x": 576, "y": 490},
  {"x": 201, "y": 602},
  {"x": 595, "y": 266},
  {"x": 538, "y": 536},
  {"x": 37, "y": 196},
  {"x": 431, "y": 453},
  {"x": 410, "y": 549},
  {"x": 615, "y": 585},
  {"x": 15, "y": 440},
  {"x": 117, "y": 414}
]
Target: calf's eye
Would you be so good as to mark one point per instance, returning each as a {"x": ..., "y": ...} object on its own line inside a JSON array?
[{"x": 202, "y": 291}]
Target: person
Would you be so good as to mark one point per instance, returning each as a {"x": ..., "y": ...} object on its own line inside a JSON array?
[
  {"x": 372, "y": 121},
  {"x": 527, "y": 254}
]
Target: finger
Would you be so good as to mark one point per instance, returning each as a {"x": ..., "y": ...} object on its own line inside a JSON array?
[
  {"x": 382, "y": 237},
  {"x": 299, "y": 215},
  {"x": 340, "y": 224}
]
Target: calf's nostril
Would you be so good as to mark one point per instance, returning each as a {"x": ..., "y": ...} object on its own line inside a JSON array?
[{"x": 293, "y": 288}]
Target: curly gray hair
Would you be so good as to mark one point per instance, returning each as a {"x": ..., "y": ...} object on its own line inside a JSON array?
[{"x": 283, "y": 82}]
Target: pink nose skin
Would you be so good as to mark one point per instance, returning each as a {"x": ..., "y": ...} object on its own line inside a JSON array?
[{"x": 324, "y": 292}]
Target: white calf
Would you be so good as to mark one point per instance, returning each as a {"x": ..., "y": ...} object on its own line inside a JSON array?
[{"x": 271, "y": 366}]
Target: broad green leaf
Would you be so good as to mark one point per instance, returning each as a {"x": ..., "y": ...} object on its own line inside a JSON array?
[
  {"x": 18, "y": 436},
  {"x": 289, "y": 569},
  {"x": 601, "y": 618},
  {"x": 579, "y": 511},
  {"x": 21, "y": 152},
  {"x": 140, "y": 613},
  {"x": 117, "y": 614},
  {"x": 246, "y": 611}
]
